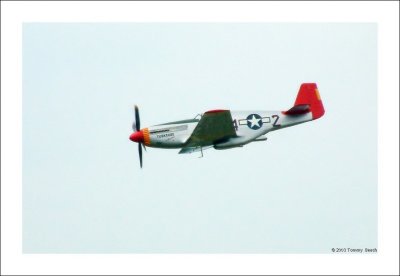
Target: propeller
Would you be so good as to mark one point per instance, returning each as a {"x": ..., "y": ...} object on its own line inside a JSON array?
[
  {"x": 137, "y": 136},
  {"x": 137, "y": 119},
  {"x": 140, "y": 155}
]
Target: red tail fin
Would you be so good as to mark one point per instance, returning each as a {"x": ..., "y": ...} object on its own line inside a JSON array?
[{"x": 308, "y": 99}]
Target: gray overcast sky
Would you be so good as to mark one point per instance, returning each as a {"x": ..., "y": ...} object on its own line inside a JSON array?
[{"x": 307, "y": 189}]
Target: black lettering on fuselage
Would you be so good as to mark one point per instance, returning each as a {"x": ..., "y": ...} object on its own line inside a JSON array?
[{"x": 165, "y": 135}]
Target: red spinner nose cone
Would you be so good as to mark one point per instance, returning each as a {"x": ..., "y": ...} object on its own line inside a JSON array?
[{"x": 137, "y": 137}]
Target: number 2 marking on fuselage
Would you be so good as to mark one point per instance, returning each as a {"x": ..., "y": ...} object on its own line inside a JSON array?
[{"x": 275, "y": 123}]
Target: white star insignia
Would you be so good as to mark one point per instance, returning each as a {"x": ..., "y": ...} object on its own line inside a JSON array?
[{"x": 254, "y": 122}]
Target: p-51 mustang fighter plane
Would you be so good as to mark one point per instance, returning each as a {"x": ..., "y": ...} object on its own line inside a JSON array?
[{"x": 225, "y": 129}]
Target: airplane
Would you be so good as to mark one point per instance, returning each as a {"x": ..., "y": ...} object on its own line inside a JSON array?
[{"x": 226, "y": 129}]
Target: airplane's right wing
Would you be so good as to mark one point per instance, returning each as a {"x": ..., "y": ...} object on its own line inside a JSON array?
[{"x": 193, "y": 149}]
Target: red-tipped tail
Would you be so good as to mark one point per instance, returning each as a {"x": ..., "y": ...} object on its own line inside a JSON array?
[{"x": 308, "y": 100}]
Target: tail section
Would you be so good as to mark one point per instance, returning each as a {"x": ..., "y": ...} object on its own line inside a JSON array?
[{"x": 308, "y": 100}]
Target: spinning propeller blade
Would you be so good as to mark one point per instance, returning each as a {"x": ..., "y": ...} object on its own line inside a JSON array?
[
  {"x": 137, "y": 136},
  {"x": 140, "y": 154},
  {"x": 137, "y": 118}
]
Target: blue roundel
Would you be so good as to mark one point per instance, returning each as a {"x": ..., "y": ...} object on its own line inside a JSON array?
[{"x": 254, "y": 121}]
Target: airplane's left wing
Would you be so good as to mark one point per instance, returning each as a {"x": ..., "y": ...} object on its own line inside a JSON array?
[{"x": 214, "y": 126}]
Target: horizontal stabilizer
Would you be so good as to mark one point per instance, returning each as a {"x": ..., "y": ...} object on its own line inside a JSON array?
[
  {"x": 298, "y": 109},
  {"x": 307, "y": 100}
]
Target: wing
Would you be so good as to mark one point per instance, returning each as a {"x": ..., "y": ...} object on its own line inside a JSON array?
[
  {"x": 214, "y": 126},
  {"x": 193, "y": 149}
]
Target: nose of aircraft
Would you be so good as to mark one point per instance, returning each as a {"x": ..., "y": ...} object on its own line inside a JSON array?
[{"x": 137, "y": 137}]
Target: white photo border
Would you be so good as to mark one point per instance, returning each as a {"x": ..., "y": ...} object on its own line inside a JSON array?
[{"x": 13, "y": 14}]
